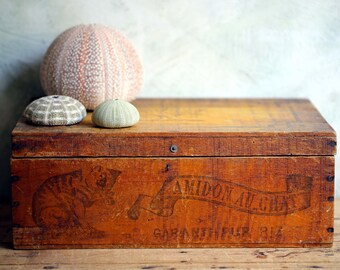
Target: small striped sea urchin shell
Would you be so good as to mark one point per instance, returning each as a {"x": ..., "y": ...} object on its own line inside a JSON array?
[
  {"x": 55, "y": 111},
  {"x": 115, "y": 113},
  {"x": 92, "y": 63}
]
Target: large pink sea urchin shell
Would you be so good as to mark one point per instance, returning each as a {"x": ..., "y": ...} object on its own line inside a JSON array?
[{"x": 92, "y": 63}]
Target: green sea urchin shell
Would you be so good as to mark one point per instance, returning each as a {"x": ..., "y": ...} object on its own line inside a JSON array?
[
  {"x": 55, "y": 111},
  {"x": 115, "y": 113}
]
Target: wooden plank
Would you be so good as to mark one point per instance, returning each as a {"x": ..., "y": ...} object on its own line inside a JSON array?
[
  {"x": 198, "y": 127},
  {"x": 146, "y": 257},
  {"x": 245, "y": 258},
  {"x": 168, "y": 202},
  {"x": 236, "y": 116},
  {"x": 175, "y": 265},
  {"x": 169, "y": 256},
  {"x": 257, "y": 145}
]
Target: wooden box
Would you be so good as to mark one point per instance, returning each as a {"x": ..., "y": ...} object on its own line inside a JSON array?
[{"x": 191, "y": 173}]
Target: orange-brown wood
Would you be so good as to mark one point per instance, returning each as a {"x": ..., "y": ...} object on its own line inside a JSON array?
[
  {"x": 166, "y": 202},
  {"x": 197, "y": 127},
  {"x": 200, "y": 258},
  {"x": 191, "y": 173}
]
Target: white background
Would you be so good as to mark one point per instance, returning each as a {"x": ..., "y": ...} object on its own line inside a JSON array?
[{"x": 192, "y": 48}]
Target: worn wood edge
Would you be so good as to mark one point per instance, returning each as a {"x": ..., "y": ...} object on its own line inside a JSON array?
[
  {"x": 184, "y": 264},
  {"x": 117, "y": 133},
  {"x": 28, "y": 146},
  {"x": 213, "y": 246}
]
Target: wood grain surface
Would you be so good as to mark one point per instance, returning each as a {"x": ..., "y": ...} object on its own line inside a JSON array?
[
  {"x": 214, "y": 127},
  {"x": 191, "y": 173},
  {"x": 164, "y": 259},
  {"x": 173, "y": 202}
]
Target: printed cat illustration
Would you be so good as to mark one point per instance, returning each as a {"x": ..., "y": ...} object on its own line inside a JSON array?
[{"x": 60, "y": 203}]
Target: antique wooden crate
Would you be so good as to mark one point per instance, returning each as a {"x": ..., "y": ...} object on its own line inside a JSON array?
[{"x": 191, "y": 173}]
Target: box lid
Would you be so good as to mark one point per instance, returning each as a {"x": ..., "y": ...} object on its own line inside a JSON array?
[{"x": 189, "y": 127}]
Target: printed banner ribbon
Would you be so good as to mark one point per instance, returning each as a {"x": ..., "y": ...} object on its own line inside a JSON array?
[{"x": 239, "y": 197}]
